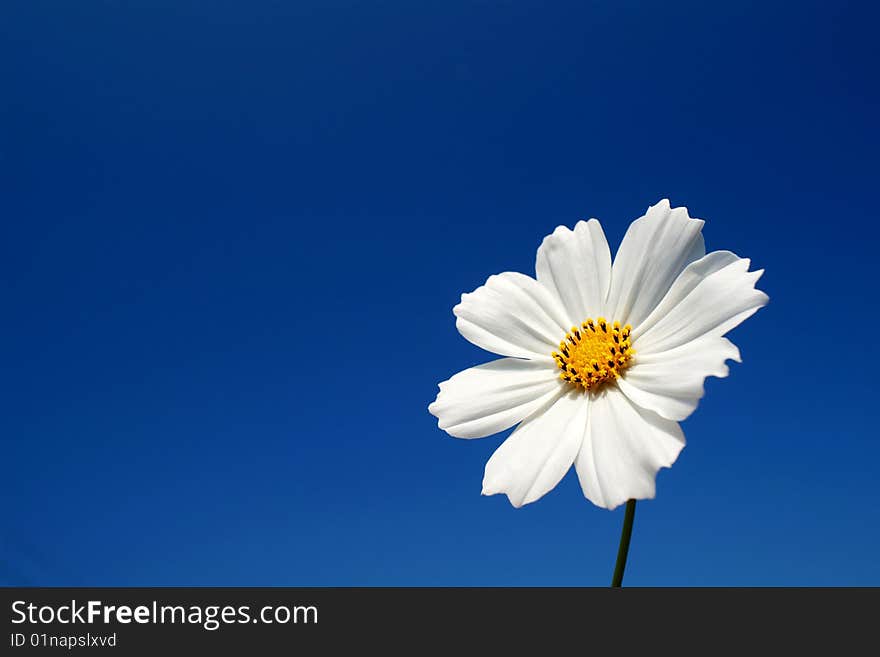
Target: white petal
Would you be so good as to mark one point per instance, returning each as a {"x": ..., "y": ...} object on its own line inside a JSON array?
[
  {"x": 494, "y": 396},
  {"x": 623, "y": 448},
  {"x": 512, "y": 315},
  {"x": 720, "y": 301},
  {"x": 680, "y": 343},
  {"x": 539, "y": 452},
  {"x": 654, "y": 251},
  {"x": 577, "y": 266},
  {"x": 670, "y": 383},
  {"x": 692, "y": 275}
]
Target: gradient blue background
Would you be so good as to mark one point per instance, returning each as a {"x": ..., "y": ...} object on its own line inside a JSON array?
[{"x": 233, "y": 233}]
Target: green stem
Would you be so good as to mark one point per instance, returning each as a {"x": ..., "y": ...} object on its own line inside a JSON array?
[{"x": 623, "y": 550}]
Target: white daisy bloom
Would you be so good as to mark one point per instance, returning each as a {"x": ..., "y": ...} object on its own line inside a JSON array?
[{"x": 601, "y": 361}]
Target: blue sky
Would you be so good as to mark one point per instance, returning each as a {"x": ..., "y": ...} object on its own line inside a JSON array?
[{"x": 233, "y": 234}]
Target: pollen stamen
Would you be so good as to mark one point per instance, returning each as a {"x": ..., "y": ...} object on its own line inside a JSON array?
[{"x": 593, "y": 353}]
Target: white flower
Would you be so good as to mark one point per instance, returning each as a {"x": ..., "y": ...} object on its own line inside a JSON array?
[{"x": 601, "y": 361}]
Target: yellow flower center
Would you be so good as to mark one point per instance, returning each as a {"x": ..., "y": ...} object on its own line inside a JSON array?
[{"x": 593, "y": 353}]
